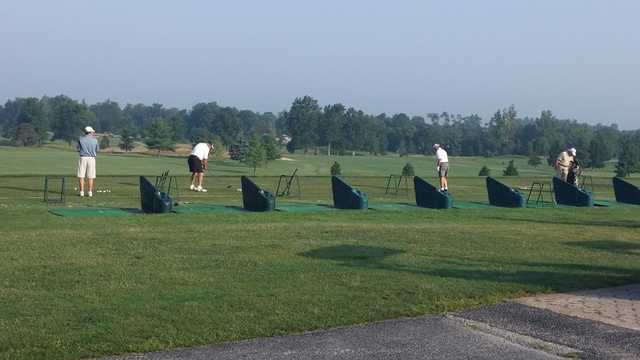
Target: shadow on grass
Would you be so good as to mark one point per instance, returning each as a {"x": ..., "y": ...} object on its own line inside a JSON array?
[
  {"x": 550, "y": 276},
  {"x": 614, "y": 246},
  {"x": 614, "y": 223},
  {"x": 364, "y": 255},
  {"x": 21, "y": 189}
]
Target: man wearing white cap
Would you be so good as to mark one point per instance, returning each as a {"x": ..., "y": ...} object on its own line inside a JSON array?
[
  {"x": 442, "y": 166},
  {"x": 563, "y": 163},
  {"x": 88, "y": 149}
]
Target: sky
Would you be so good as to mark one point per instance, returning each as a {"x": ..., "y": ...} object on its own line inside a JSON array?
[{"x": 578, "y": 58}]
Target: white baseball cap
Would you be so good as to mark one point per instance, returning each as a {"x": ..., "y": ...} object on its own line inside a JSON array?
[
  {"x": 436, "y": 146},
  {"x": 89, "y": 129},
  {"x": 573, "y": 151}
]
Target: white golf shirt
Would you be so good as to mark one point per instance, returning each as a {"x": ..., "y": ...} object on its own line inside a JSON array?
[
  {"x": 441, "y": 156},
  {"x": 201, "y": 150}
]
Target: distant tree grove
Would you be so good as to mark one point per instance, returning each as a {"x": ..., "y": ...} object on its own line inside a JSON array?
[{"x": 335, "y": 128}]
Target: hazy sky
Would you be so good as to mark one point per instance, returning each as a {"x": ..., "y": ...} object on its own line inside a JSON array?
[{"x": 579, "y": 58}]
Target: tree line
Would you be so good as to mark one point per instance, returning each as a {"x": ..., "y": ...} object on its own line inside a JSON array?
[{"x": 336, "y": 129}]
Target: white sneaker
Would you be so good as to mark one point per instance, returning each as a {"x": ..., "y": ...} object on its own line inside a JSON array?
[
  {"x": 192, "y": 187},
  {"x": 201, "y": 189},
  {"x": 90, "y": 194},
  {"x": 81, "y": 193}
]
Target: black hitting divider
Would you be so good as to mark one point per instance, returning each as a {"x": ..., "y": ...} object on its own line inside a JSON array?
[
  {"x": 152, "y": 200},
  {"x": 255, "y": 198},
  {"x": 571, "y": 195},
  {"x": 47, "y": 184},
  {"x": 286, "y": 182},
  {"x": 394, "y": 183},
  {"x": 346, "y": 196},
  {"x": 626, "y": 192},
  {"x": 503, "y": 195},
  {"x": 171, "y": 188},
  {"x": 428, "y": 196},
  {"x": 540, "y": 188}
]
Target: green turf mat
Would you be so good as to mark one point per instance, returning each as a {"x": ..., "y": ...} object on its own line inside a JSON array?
[
  {"x": 90, "y": 212},
  {"x": 303, "y": 207},
  {"x": 471, "y": 205},
  {"x": 206, "y": 208},
  {"x": 392, "y": 206}
]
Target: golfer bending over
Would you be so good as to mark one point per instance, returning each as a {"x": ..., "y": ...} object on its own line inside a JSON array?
[
  {"x": 442, "y": 166},
  {"x": 198, "y": 161}
]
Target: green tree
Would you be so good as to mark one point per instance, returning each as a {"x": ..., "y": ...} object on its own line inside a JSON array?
[
  {"x": 331, "y": 134},
  {"x": 255, "y": 154},
  {"x": 302, "y": 123},
  {"x": 28, "y": 128},
  {"x": 534, "y": 160},
  {"x": 402, "y": 149},
  {"x": 218, "y": 146},
  {"x": 108, "y": 116},
  {"x": 104, "y": 142},
  {"x": 200, "y": 135},
  {"x": 629, "y": 156},
  {"x": 126, "y": 140},
  {"x": 335, "y": 169},
  {"x": 510, "y": 170},
  {"x": 600, "y": 152},
  {"x": 271, "y": 147},
  {"x": 69, "y": 118},
  {"x": 485, "y": 171},
  {"x": 554, "y": 150},
  {"x": 238, "y": 150},
  {"x": 503, "y": 128},
  {"x": 178, "y": 126},
  {"x": 26, "y": 135},
  {"x": 158, "y": 136}
]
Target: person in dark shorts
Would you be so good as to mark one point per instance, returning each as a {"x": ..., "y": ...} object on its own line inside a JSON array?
[
  {"x": 442, "y": 166},
  {"x": 198, "y": 161}
]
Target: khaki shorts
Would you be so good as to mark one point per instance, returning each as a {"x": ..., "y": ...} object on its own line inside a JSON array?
[
  {"x": 444, "y": 169},
  {"x": 87, "y": 167},
  {"x": 562, "y": 172}
]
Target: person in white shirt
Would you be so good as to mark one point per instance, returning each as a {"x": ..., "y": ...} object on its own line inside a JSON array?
[
  {"x": 198, "y": 162},
  {"x": 442, "y": 166}
]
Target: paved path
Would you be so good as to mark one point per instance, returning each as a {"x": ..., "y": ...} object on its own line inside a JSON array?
[
  {"x": 428, "y": 337},
  {"x": 619, "y": 306},
  {"x": 601, "y": 324},
  {"x": 595, "y": 324}
]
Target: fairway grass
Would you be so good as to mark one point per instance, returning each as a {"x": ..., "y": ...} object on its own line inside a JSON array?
[
  {"x": 74, "y": 288},
  {"x": 83, "y": 287}
]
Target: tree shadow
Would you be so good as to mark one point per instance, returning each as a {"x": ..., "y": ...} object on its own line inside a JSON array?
[
  {"x": 614, "y": 223},
  {"x": 362, "y": 255},
  {"x": 613, "y": 246},
  {"x": 551, "y": 276}
]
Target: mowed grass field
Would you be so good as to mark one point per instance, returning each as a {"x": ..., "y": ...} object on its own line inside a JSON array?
[{"x": 74, "y": 288}]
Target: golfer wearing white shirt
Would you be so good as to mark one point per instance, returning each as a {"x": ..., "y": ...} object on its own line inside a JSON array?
[
  {"x": 442, "y": 166},
  {"x": 198, "y": 161}
]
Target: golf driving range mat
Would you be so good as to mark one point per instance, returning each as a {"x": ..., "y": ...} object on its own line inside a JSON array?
[
  {"x": 471, "y": 205},
  {"x": 393, "y": 206},
  {"x": 206, "y": 208},
  {"x": 91, "y": 212},
  {"x": 304, "y": 207}
]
